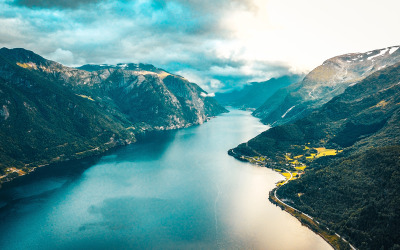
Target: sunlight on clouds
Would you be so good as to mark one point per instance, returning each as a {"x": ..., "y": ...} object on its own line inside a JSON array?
[
  {"x": 62, "y": 55},
  {"x": 10, "y": 30},
  {"x": 208, "y": 83},
  {"x": 195, "y": 76},
  {"x": 224, "y": 71},
  {"x": 305, "y": 33},
  {"x": 228, "y": 49},
  {"x": 218, "y": 44},
  {"x": 216, "y": 84}
]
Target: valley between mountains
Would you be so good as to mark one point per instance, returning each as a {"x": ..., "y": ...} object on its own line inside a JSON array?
[
  {"x": 339, "y": 148},
  {"x": 334, "y": 133},
  {"x": 51, "y": 113}
]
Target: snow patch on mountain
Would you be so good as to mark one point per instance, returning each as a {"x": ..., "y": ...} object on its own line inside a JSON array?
[
  {"x": 381, "y": 53},
  {"x": 381, "y": 67},
  {"x": 393, "y": 49},
  {"x": 287, "y": 111}
]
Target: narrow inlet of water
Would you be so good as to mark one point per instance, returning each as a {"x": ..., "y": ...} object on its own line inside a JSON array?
[{"x": 172, "y": 190}]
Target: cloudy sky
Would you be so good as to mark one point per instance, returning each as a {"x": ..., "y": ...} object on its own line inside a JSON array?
[{"x": 219, "y": 44}]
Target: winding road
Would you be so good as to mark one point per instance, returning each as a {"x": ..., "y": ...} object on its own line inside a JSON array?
[
  {"x": 285, "y": 204},
  {"x": 276, "y": 197}
]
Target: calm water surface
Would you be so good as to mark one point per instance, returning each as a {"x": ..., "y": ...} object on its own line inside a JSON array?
[{"x": 176, "y": 189}]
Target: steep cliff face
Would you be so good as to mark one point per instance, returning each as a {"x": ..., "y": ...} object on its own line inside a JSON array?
[
  {"x": 43, "y": 122},
  {"x": 50, "y": 112},
  {"x": 323, "y": 83},
  {"x": 148, "y": 96}
]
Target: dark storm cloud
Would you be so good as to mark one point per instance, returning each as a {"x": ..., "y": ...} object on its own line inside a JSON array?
[{"x": 178, "y": 35}]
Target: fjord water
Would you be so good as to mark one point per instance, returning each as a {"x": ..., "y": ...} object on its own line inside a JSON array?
[{"x": 175, "y": 189}]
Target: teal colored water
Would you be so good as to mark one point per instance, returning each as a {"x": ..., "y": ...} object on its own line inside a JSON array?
[{"x": 171, "y": 190}]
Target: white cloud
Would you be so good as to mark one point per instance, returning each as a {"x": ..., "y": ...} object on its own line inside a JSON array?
[
  {"x": 303, "y": 34},
  {"x": 206, "y": 82},
  {"x": 61, "y": 55},
  {"x": 216, "y": 84},
  {"x": 193, "y": 75},
  {"x": 207, "y": 95},
  {"x": 217, "y": 44}
]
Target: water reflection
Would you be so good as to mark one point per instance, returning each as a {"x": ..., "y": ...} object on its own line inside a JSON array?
[{"x": 172, "y": 190}]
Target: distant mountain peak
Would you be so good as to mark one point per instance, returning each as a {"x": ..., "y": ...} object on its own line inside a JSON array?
[
  {"x": 23, "y": 55},
  {"x": 86, "y": 110},
  {"x": 253, "y": 95},
  {"x": 323, "y": 83},
  {"x": 124, "y": 66}
]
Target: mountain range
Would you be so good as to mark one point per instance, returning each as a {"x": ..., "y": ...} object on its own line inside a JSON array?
[
  {"x": 353, "y": 187},
  {"x": 338, "y": 128},
  {"x": 254, "y": 94},
  {"x": 51, "y": 113},
  {"x": 323, "y": 83}
]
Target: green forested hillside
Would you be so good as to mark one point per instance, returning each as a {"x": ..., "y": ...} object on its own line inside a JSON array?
[
  {"x": 51, "y": 113},
  {"x": 357, "y": 196},
  {"x": 354, "y": 192},
  {"x": 364, "y": 113},
  {"x": 43, "y": 122}
]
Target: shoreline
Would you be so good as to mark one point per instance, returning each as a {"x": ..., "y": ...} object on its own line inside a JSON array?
[
  {"x": 332, "y": 238},
  {"x": 105, "y": 148},
  {"x": 96, "y": 153},
  {"x": 329, "y": 236}
]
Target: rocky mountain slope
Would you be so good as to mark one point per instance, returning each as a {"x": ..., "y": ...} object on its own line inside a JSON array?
[
  {"x": 354, "y": 192},
  {"x": 323, "y": 83},
  {"x": 254, "y": 94},
  {"x": 50, "y": 112}
]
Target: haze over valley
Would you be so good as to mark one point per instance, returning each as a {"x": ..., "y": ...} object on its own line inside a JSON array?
[{"x": 236, "y": 124}]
